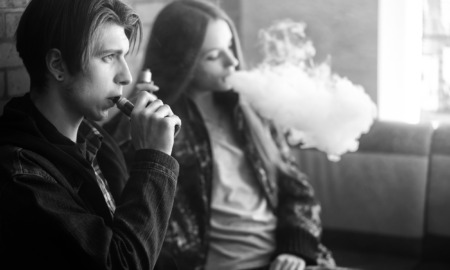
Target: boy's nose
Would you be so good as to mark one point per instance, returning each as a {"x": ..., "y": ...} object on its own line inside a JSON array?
[{"x": 123, "y": 76}]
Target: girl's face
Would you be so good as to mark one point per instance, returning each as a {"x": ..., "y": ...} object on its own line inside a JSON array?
[{"x": 217, "y": 60}]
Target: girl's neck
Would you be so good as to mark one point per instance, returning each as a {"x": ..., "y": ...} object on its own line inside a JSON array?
[{"x": 204, "y": 101}]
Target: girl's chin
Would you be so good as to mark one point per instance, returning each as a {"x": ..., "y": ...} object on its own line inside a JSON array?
[{"x": 226, "y": 87}]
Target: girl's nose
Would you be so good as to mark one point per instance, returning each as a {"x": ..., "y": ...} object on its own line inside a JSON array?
[{"x": 231, "y": 59}]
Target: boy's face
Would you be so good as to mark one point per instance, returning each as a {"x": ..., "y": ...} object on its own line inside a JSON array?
[{"x": 90, "y": 92}]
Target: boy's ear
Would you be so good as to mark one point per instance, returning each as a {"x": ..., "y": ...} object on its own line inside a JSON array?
[{"x": 55, "y": 64}]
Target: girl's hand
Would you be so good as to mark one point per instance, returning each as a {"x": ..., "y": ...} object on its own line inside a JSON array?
[
  {"x": 287, "y": 262},
  {"x": 148, "y": 87}
]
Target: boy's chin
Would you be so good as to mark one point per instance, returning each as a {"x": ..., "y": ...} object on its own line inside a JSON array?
[{"x": 103, "y": 116}]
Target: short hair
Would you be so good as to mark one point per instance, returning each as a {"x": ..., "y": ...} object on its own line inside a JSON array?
[
  {"x": 71, "y": 27},
  {"x": 175, "y": 43}
]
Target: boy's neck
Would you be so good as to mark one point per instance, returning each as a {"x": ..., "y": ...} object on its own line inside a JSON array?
[{"x": 54, "y": 110}]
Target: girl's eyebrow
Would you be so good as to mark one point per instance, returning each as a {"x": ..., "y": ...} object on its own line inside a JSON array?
[{"x": 208, "y": 50}]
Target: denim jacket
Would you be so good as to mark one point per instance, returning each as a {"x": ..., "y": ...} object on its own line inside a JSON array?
[{"x": 52, "y": 212}]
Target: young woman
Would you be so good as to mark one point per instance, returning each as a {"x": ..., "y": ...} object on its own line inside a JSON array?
[{"x": 240, "y": 203}]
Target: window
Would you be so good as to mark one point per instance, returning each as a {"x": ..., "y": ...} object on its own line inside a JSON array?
[
  {"x": 414, "y": 61},
  {"x": 436, "y": 60},
  {"x": 399, "y": 60}
]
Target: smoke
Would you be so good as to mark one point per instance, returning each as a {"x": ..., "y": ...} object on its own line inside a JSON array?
[{"x": 318, "y": 108}]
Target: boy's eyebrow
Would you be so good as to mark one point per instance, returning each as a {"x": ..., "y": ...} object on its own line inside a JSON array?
[{"x": 110, "y": 51}]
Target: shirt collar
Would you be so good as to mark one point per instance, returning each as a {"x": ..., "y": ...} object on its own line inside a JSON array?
[{"x": 93, "y": 138}]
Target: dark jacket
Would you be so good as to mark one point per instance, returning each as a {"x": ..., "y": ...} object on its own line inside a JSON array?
[
  {"x": 52, "y": 212},
  {"x": 287, "y": 190}
]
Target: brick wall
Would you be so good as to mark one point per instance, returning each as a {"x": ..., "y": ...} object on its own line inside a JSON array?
[{"x": 13, "y": 76}]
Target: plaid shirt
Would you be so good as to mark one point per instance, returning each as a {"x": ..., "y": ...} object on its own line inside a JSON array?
[{"x": 93, "y": 139}]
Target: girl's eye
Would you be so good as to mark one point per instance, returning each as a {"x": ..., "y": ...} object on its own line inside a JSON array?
[{"x": 212, "y": 56}]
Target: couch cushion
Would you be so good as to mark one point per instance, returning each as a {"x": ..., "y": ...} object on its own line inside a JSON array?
[
  {"x": 373, "y": 260},
  {"x": 437, "y": 240},
  {"x": 398, "y": 138},
  {"x": 378, "y": 191}
]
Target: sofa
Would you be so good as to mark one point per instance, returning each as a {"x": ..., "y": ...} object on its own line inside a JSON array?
[{"x": 387, "y": 205}]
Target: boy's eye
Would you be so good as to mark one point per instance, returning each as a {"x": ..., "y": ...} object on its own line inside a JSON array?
[{"x": 108, "y": 58}]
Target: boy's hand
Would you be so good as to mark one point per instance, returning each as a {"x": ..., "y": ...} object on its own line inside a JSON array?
[{"x": 152, "y": 124}]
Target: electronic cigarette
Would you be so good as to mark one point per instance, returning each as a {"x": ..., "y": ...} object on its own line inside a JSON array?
[
  {"x": 145, "y": 76},
  {"x": 126, "y": 107}
]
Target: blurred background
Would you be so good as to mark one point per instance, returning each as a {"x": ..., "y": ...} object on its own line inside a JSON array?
[{"x": 398, "y": 51}]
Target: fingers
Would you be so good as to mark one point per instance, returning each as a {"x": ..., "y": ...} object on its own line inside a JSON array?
[
  {"x": 154, "y": 109},
  {"x": 160, "y": 110},
  {"x": 148, "y": 87},
  {"x": 146, "y": 91},
  {"x": 153, "y": 124},
  {"x": 287, "y": 262},
  {"x": 176, "y": 123},
  {"x": 142, "y": 100}
]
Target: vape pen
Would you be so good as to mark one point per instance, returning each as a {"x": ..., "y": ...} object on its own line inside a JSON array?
[
  {"x": 145, "y": 76},
  {"x": 126, "y": 107}
]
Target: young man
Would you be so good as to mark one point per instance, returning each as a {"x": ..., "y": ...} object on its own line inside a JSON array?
[{"x": 66, "y": 201}]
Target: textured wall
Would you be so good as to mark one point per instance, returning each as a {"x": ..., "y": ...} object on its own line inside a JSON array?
[{"x": 13, "y": 76}]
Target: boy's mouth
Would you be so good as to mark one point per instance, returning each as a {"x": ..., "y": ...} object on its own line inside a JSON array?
[{"x": 115, "y": 99}]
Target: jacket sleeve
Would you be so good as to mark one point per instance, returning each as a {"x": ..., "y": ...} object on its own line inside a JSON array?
[
  {"x": 44, "y": 222},
  {"x": 299, "y": 226}
]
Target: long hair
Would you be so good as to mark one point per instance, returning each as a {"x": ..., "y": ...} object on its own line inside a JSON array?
[
  {"x": 71, "y": 26},
  {"x": 175, "y": 42}
]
